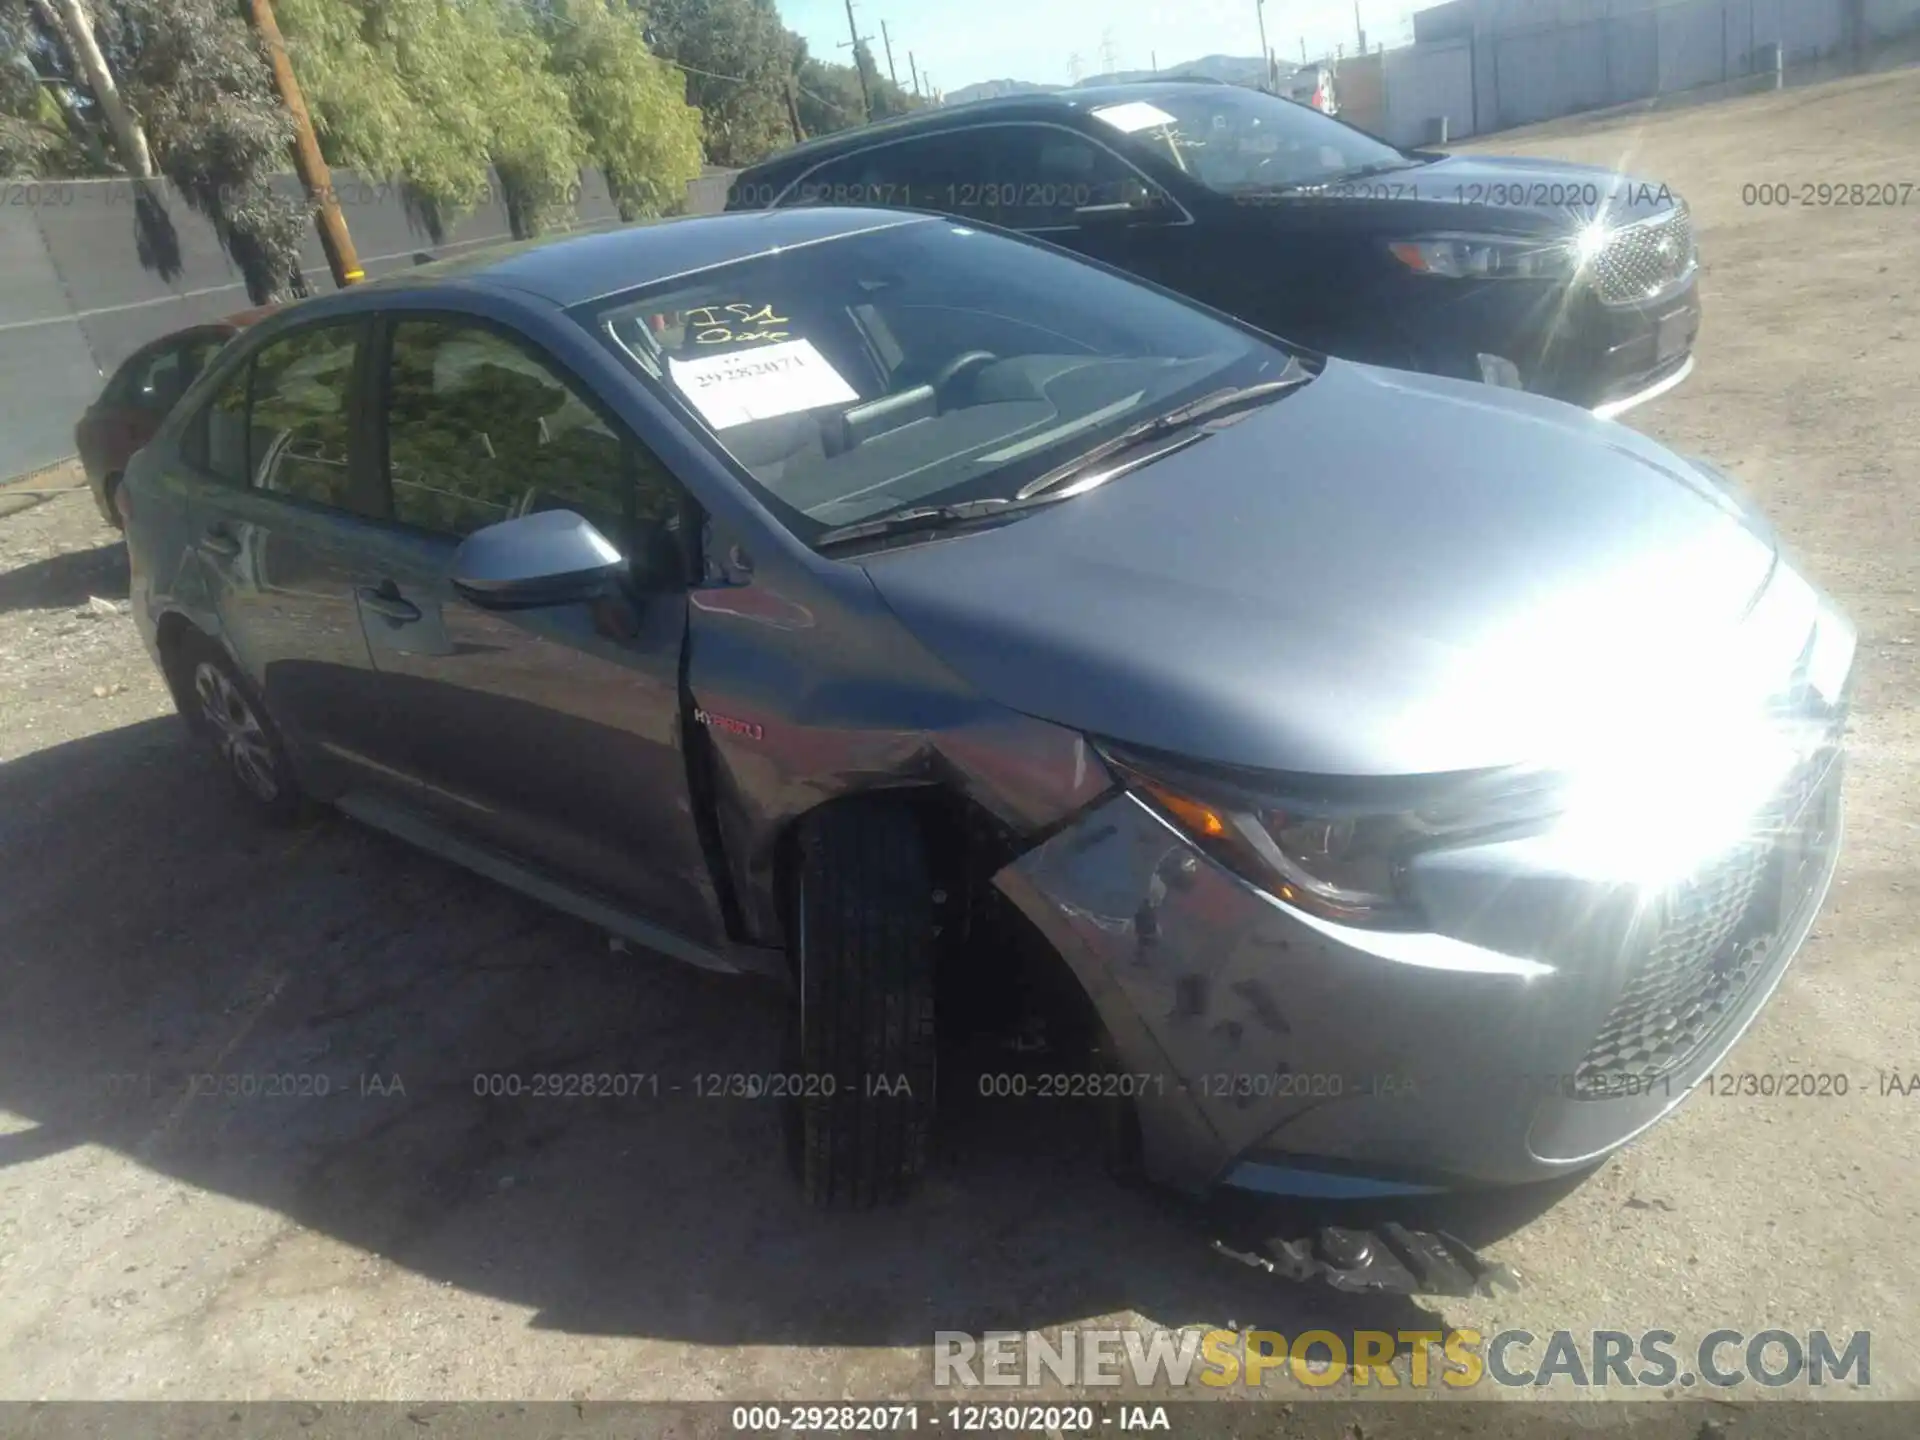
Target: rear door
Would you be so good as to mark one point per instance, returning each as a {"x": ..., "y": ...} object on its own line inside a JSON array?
[
  {"x": 551, "y": 733},
  {"x": 286, "y": 503}
]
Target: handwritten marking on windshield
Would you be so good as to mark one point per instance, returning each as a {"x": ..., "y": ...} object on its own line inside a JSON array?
[{"x": 714, "y": 324}]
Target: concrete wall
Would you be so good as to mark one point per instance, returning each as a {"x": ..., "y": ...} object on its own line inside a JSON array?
[
  {"x": 81, "y": 288},
  {"x": 1539, "y": 59},
  {"x": 1424, "y": 82}
]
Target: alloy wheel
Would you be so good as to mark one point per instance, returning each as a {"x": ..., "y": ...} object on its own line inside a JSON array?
[{"x": 237, "y": 732}]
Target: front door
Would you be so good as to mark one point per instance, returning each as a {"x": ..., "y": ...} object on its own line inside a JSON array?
[{"x": 552, "y": 733}]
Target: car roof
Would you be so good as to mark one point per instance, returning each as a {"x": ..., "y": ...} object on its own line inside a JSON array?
[
  {"x": 1027, "y": 105},
  {"x": 573, "y": 269}
]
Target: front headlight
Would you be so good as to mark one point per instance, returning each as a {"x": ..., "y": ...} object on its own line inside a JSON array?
[
  {"x": 1342, "y": 858},
  {"x": 1497, "y": 257}
]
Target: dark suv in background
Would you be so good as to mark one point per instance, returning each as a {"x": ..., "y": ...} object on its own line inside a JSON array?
[{"x": 1564, "y": 280}]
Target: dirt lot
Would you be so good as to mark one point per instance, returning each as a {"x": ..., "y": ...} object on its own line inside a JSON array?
[{"x": 402, "y": 1237}]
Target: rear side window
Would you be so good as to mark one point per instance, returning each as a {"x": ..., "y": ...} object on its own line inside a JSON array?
[
  {"x": 157, "y": 378},
  {"x": 481, "y": 429},
  {"x": 298, "y": 421},
  {"x": 932, "y": 172}
]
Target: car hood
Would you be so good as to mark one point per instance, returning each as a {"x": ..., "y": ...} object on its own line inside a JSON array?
[{"x": 1381, "y": 573}]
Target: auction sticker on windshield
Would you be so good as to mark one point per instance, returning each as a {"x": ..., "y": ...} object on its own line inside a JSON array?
[
  {"x": 761, "y": 383},
  {"x": 1132, "y": 116}
]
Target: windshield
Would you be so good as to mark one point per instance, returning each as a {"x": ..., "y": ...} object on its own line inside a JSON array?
[
  {"x": 1233, "y": 140},
  {"x": 922, "y": 363}
]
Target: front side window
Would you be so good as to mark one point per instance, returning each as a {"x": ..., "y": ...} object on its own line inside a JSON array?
[
  {"x": 1043, "y": 173},
  {"x": 298, "y": 430},
  {"x": 922, "y": 362},
  {"x": 480, "y": 430},
  {"x": 1236, "y": 141}
]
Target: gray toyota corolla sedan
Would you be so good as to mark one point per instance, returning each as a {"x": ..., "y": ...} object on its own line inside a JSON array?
[{"x": 1397, "y": 783}]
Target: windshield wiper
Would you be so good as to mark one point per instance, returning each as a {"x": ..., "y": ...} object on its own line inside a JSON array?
[
  {"x": 1361, "y": 172},
  {"x": 920, "y": 517},
  {"x": 924, "y": 518},
  {"x": 1181, "y": 417}
]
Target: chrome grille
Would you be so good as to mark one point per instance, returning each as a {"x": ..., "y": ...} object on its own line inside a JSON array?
[{"x": 1644, "y": 260}]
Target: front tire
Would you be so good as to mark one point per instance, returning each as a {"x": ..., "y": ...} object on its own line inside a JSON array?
[{"x": 862, "y": 944}]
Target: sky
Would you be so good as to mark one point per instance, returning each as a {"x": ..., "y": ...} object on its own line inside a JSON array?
[{"x": 972, "y": 40}]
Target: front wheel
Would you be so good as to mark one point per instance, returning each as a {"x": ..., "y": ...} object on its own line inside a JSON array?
[{"x": 862, "y": 942}]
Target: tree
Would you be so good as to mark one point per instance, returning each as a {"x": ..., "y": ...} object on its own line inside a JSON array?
[
  {"x": 129, "y": 139},
  {"x": 829, "y": 95},
  {"x": 736, "y": 57},
  {"x": 384, "y": 86},
  {"x": 628, "y": 105},
  {"x": 196, "y": 77},
  {"x": 430, "y": 94},
  {"x": 42, "y": 131}
]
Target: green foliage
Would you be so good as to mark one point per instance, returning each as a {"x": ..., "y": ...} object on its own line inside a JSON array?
[
  {"x": 830, "y": 97},
  {"x": 198, "y": 78},
  {"x": 737, "y": 57},
  {"x": 536, "y": 148},
  {"x": 384, "y": 84},
  {"x": 35, "y": 138},
  {"x": 431, "y": 93},
  {"x": 627, "y": 104}
]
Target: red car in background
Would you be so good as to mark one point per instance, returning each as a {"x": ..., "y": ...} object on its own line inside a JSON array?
[{"x": 138, "y": 397}]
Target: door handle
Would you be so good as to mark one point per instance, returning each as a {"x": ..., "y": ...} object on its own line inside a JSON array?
[
  {"x": 218, "y": 542},
  {"x": 387, "y": 601}
]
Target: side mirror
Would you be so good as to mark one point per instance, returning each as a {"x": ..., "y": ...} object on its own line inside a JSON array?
[{"x": 551, "y": 557}]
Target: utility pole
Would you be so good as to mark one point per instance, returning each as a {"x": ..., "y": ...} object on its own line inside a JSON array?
[
  {"x": 866, "y": 99},
  {"x": 887, "y": 40},
  {"x": 1074, "y": 68},
  {"x": 915, "y": 70},
  {"x": 1153, "y": 59},
  {"x": 1266, "y": 55},
  {"x": 1361, "y": 26},
  {"x": 334, "y": 239},
  {"x": 793, "y": 114},
  {"x": 1109, "y": 57}
]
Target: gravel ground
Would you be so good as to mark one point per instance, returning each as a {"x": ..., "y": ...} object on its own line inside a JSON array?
[{"x": 402, "y": 1237}]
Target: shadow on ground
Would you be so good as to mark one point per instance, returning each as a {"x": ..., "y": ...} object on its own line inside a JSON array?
[
  {"x": 159, "y": 941},
  {"x": 67, "y": 580}
]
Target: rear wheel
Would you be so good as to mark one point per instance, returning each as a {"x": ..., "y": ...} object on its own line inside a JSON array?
[
  {"x": 223, "y": 709},
  {"x": 862, "y": 940}
]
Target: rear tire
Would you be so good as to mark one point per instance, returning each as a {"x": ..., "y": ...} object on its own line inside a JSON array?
[
  {"x": 225, "y": 712},
  {"x": 862, "y": 1035}
]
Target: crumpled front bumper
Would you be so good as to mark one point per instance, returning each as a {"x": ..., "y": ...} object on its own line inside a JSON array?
[{"x": 1276, "y": 1052}]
